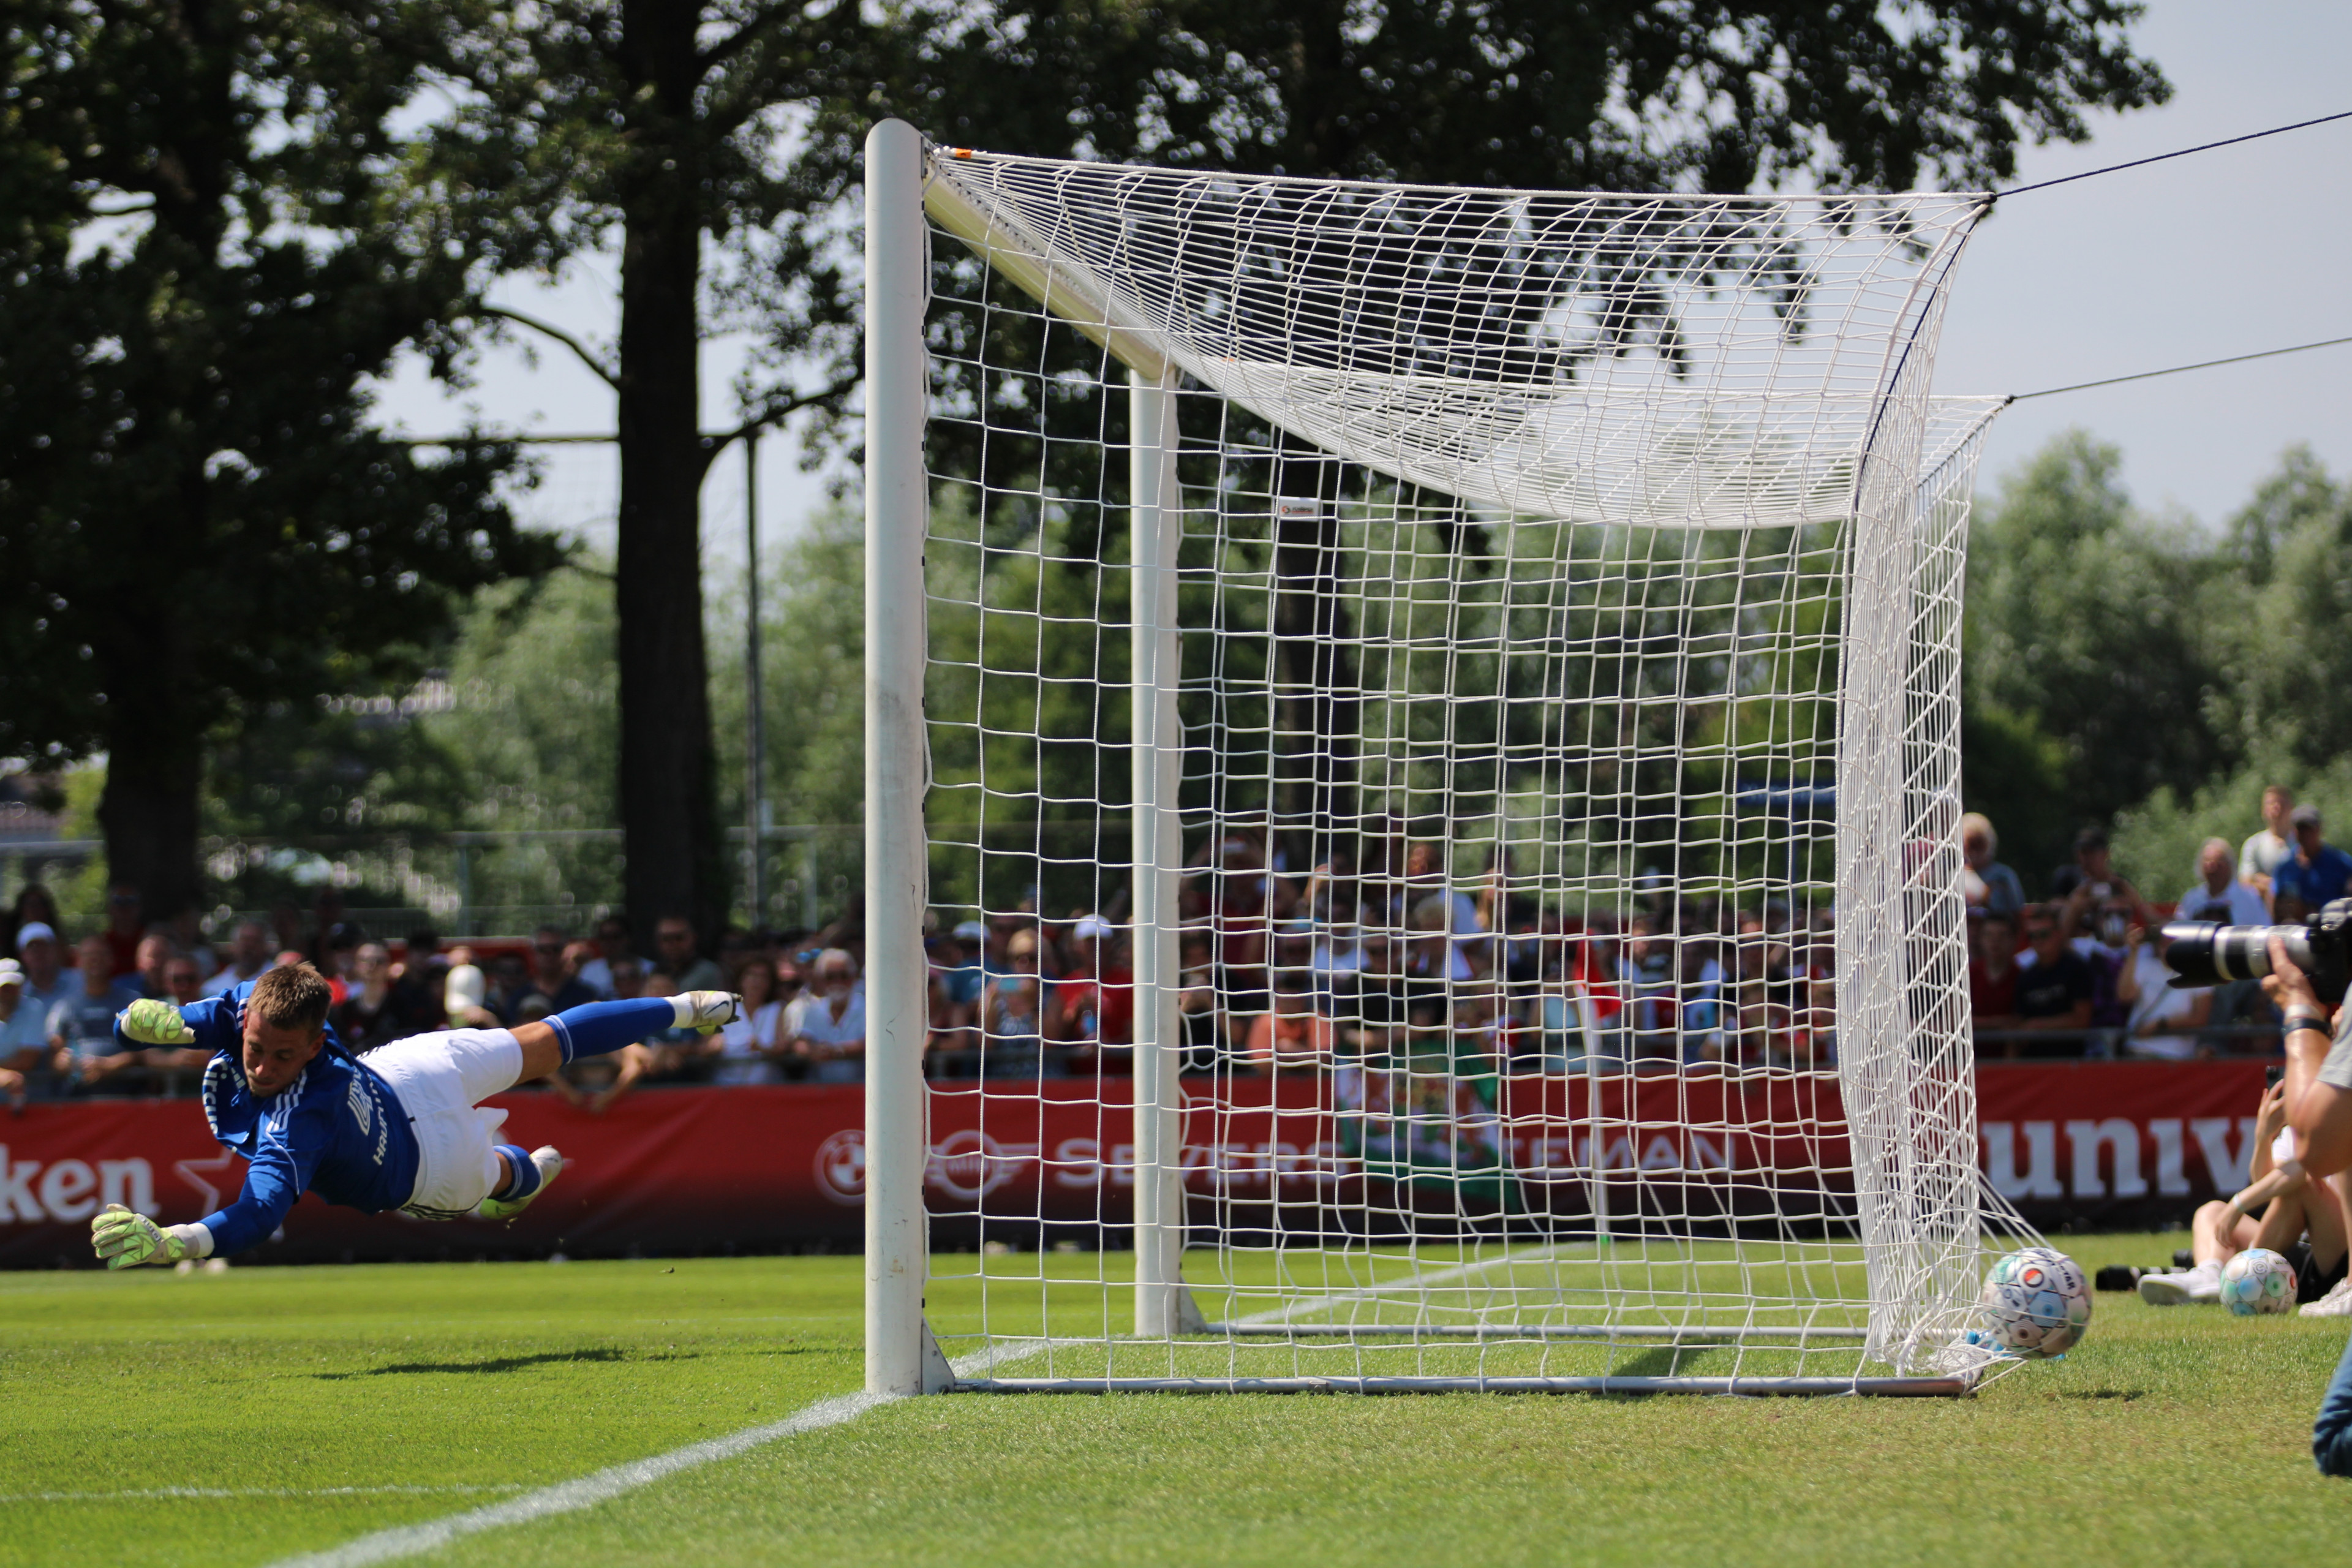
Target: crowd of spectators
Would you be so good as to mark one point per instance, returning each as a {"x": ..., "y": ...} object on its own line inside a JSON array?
[
  {"x": 2082, "y": 974},
  {"x": 1387, "y": 958},
  {"x": 1279, "y": 970},
  {"x": 58, "y": 999}
]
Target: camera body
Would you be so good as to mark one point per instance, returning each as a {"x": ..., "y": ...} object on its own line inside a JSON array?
[{"x": 2205, "y": 953}]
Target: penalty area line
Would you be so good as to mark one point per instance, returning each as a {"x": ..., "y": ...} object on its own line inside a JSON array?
[
  {"x": 570, "y": 1497},
  {"x": 169, "y": 1493}
]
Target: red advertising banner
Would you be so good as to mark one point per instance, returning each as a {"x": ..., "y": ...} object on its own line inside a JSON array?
[{"x": 764, "y": 1169}]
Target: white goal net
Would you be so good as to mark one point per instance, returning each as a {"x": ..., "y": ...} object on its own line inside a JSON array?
[{"x": 1413, "y": 785}]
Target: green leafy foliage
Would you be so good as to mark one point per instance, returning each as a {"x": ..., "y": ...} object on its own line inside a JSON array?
[
  {"x": 1527, "y": 94},
  {"x": 2093, "y": 674},
  {"x": 2144, "y": 672},
  {"x": 197, "y": 510}
]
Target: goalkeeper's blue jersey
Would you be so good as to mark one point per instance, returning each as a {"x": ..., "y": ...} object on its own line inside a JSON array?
[{"x": 337, "y": 1130}]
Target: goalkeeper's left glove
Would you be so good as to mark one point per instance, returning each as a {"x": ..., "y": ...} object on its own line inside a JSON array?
[
  {"x": 126, "y": 1240},
  {"x": 154, "y": 1022}
]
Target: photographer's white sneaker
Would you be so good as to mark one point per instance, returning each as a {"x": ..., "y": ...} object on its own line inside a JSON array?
[
  {"x": 2200, "y": 1284},
  {"x": 2336, "y": 1303}
]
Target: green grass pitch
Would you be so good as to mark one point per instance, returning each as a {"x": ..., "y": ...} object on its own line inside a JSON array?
[{"x": 333, "y": 1402}]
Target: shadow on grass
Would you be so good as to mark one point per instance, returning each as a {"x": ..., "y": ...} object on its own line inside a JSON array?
[
  {"x": 2126, "y": 1394},
  {"x": 507, "y": 1363},
  {"x": 1663, "y": 1360}
]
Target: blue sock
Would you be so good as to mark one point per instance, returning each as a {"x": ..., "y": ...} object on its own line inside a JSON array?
[
  {"x": 597, "y": 1029},
  {"x": 524, "y": 1179}
]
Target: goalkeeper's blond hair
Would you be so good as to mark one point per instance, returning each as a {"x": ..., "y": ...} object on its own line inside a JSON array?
[{"x": 292, "y": 996}]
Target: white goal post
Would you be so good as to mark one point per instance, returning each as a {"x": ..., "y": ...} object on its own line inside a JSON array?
[{"x": 1412, "y": 787}]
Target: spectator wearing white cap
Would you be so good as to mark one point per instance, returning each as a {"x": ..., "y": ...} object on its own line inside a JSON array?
[
  {"x": 24, "y": 1028},
  {"x": 45, "y": 984}
]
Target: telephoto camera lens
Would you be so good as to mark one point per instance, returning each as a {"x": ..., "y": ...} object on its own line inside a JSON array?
[{"x": 2202, "y": 952}]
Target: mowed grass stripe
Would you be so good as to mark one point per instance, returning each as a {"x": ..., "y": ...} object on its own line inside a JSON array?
[{"x": 2170, "y": 1434}]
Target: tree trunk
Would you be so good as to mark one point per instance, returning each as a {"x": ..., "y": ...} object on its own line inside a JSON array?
[
  {"x": 1318, "y": 710},
  {"x": 155, "y": 754},
  {"x": 668, "y": 814}
]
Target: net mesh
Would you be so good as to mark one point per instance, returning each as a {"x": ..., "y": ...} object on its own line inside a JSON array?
[{"x": 1549, "y": 891}]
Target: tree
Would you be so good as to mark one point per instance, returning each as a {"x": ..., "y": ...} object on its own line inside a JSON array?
[
  {"x": 2284, "y": 622},
  {"x": 1522, "y": 93},
  {"x": 654, "y": 127},
  {"x": 1529, "y": 93},
  {"x": 202, "y": 517},
  {"x": 2092, "y": 675},
  {"x": 717, "y": 144}
]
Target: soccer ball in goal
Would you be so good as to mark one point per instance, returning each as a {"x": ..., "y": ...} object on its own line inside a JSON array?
[
  {"x": 2036, "y": 1303},
  {"x": 1418, "y": 732}
]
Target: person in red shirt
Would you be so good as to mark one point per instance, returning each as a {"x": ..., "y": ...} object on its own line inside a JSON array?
[
  {"x": 1992, "y": 973},
  {"x": 1096, "y": 990}
]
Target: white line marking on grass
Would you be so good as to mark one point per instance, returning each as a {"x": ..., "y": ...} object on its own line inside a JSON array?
[
  {"x": 569, "y": 1497},
  {"x": 1417, "y": 1280},
  {"x": 145, "y": 1492},
  {"x": 988, "y": 1357}
]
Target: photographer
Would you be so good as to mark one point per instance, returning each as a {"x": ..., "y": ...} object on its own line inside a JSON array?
[
  {"x": 2319, "y": 1096},
  {"x": 2318, "y": 1066}
]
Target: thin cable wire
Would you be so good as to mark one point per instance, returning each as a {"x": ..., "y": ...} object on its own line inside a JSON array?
[
  {"x": 2180, "y": 152},
  {"x": 2177, "y": 369}
]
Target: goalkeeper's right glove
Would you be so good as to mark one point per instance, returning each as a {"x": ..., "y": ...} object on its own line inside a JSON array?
[
  {"x": 155, "y": 1023},
  {"x": 126, "y": 1240}
]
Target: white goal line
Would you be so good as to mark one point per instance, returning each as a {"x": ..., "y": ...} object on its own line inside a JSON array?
[{"x": 570, "y": 1497}]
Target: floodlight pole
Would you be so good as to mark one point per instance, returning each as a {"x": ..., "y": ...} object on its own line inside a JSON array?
[
  {"x": 754, "y": 735},
  {"x": 897, "y": 288}
]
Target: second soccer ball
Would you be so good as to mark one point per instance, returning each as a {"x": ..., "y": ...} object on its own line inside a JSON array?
[{"x": 2258, "y": 1280}]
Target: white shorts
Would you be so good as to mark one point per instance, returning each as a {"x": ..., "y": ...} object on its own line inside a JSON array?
[{"x": 439, "y": 1079}]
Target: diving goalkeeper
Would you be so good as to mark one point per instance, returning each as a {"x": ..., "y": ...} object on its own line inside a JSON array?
[{"x": 400, "y": 1130}]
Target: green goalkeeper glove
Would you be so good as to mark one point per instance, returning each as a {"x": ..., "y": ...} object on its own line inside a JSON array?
[
  {"x": 156, "y": 1023},
  {"x": 126, "y": 1240}
]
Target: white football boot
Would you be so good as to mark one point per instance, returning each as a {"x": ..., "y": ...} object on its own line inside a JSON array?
[
  {"x": 2202, "y": 1284},
  {"x": 2336, "y": 1303},
  {"x": 707, "y": 1010},
  {"x": 550, "y": 1166}
]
